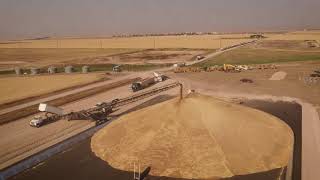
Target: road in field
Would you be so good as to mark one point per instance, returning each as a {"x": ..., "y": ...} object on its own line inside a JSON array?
[{"x": 217, "y": 53}]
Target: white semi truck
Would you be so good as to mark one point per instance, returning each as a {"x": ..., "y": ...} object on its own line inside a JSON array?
[{"x": 38, "y": 121}]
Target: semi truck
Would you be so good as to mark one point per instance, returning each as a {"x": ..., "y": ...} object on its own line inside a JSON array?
[
  {"x": 38, "y": 121},
  {"x": 139, "y": 85}
]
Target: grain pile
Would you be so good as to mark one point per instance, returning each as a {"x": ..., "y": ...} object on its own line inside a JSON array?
[
  {"x": 280, "y": 75},
  {"x": 198, "y": 137}
]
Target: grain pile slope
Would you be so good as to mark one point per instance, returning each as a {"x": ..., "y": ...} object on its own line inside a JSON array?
[{"x": 198, "y": 137}]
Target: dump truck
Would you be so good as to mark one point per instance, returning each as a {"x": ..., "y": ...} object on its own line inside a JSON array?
[
  {"x": 139, "y": 85},
  {"x": 38, "y": 121}
]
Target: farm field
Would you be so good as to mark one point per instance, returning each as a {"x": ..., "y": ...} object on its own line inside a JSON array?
[
  {"x": 297, "y": 35},
  {"x": 286, "y": 45},
  {"x": 247, "y": 55},
  {"x": 195, "y": 42},
  {"x": 12, "y": 57},
  {"x": 14, "y": 88}
]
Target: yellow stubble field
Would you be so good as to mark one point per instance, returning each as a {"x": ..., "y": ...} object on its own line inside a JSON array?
[
  {"x": 195, "y": 41},
  {"x": 14, "y": 88}
]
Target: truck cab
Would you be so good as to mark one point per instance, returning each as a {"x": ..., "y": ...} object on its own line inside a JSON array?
[
  {"x": 37, "y": 121},
  {"x": 136, "y": 86}
]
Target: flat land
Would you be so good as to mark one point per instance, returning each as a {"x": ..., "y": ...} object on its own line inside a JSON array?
[
  {"x": 148, "y": 42},
  {"x": 15, "y": 88},
  {"x": 249, "y": 55},
  {"x": 159, "y": 56},
  {"x": 21, "y": 57}
]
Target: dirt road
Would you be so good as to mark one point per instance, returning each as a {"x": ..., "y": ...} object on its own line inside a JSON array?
[
  {"x": 217, "y": 53},
  {"x": 21, "y": 140}
]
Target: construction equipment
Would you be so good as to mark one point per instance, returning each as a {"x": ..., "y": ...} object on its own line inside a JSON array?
[
  {"x": 187, "y": 69},
  {"x": 266, "y": 66},
  {"x": 101, "y": 110},
  {"x": 230, "y": 68}
]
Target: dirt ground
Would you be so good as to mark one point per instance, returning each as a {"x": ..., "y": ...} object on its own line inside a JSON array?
[
  {"x": 39, "y": 57},
  {"x": 146, "y": 57},
  {"x": 79, "y": 162},
  {"x": 301, "y": 45}
]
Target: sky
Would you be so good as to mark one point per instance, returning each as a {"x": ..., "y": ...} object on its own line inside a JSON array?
[{"x": 76, "y": 18}]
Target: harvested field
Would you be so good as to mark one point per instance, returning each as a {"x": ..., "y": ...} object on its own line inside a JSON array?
[
  {"x": 298, "y": 45},
  {"x": 299, "y": 35},
  {"x": 195, "y": 139},
  {"x": 21, "y": 57},
  {"x": 82, "y": 164},
  {"x": 15, "y": 88},
  {"x": 148, "y": 42},
  {"x": 247, "y": 55}
]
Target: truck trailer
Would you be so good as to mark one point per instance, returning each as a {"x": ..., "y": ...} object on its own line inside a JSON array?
[
  {"x": 139, "y": 85},
  {"x": 38, "y": 121}
]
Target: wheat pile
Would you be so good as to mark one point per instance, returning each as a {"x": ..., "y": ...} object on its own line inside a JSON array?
[{"x": 199, "y": 137}]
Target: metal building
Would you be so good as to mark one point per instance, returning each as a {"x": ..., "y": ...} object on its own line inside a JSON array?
[
  {"x": 68, "y": 69},
  {"x": 85, "y": 69},
  {"x": 18, "y": 71},
  {"x": 52, "y": 70}
]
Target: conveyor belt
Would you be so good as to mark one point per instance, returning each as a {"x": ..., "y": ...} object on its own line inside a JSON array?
[{"x": 101, "y": 112}]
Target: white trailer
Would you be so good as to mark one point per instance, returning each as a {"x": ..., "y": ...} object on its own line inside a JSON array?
[{"x": 50, "y": 109}]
